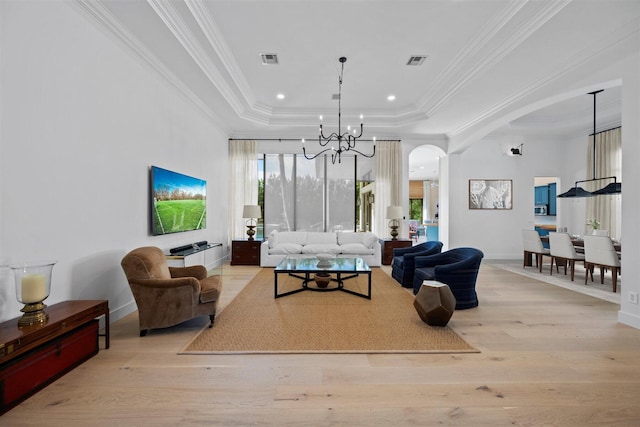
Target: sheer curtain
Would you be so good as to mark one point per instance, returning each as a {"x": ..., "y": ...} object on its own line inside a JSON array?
[
  {"x": 608, "y": 161},
  {"x": 388, "y": 190},
  {"x": 243, "y": 188}
]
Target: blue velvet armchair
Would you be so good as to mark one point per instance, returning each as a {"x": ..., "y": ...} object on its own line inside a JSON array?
[
  {"x": 457, "y": 267},
  {"x": 404, "y": 260}
]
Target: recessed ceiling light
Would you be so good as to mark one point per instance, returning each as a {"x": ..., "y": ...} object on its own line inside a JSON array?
[
  {"x": 280, "y": 96},
  {"x": 391, "y": 98}
]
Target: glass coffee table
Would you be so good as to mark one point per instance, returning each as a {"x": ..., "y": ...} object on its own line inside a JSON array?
[{"x": 305, "y": 269}]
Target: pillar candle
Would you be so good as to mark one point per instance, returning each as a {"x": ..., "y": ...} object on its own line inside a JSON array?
[{"x": 34, "y": 288}]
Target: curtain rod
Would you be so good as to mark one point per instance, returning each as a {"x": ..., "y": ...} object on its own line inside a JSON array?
[
  {"x": 299, "y": 139},
  {"x": 607, "y": 130}
]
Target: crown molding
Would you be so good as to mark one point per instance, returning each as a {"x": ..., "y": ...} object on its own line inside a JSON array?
[
  {"x": 444, "y": 88},
  {"x": 215, "y": 38},
  {"x": 175, "y": 23},
  {"x": 243, "y": 106},
  {"x": 471, "y": 62},
  {"x": 573, "y": 62},
  {"x": 99, "y": 15}
]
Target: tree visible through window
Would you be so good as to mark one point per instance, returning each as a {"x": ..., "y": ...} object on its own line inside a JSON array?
[
  {"x": 312, "y": 195},
  {"x": 415, "y": 209}
]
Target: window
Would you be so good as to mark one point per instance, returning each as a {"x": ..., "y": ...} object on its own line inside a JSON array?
[{"x": 311, "y": 195}]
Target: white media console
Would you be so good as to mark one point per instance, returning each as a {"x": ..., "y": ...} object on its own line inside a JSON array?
[{"x": 209, "y": 255}]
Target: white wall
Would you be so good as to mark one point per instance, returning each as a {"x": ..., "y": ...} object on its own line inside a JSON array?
[
  {"x": 498, "y": 232},
  {"x": 630, "y": 313},
  {"x": 82, "y": 121}
]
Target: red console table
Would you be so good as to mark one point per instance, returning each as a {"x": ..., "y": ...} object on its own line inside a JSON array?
[{"x": 32, "y": 357}]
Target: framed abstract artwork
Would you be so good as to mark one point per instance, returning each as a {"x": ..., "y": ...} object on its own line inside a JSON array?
[{"x": 490, "y": 194}]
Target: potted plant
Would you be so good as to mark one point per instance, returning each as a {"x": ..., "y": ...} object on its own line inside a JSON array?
[{"x": 593, "y": 223}]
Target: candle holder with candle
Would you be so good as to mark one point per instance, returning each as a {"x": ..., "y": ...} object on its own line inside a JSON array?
[{"x": 33, "y": 283}]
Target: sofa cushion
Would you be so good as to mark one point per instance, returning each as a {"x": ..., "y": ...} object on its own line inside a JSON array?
[
  {"x": 367, "y": 239},
  {"x": 286, "y": 248},
  {"x": 317, "y": 237},
  {"x": 321, "y": 248},
  {"x": 298, "y": 237},
  {"x": 355, "y": 249}
]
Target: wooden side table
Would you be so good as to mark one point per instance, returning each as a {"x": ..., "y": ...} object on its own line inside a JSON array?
[
  {"x": 245, "y": 252},
  {"x": 389, "y": 245},
  {"x": 32, "y": 357}
]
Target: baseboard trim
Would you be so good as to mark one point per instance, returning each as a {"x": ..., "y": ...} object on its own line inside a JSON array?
[
  {"x": 629, "y": 319},
  {"x": 122, "y": 311}
]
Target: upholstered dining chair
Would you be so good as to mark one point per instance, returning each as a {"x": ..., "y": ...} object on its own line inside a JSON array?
[
  {"x": 165, "y": 295},
  {"x": 600, "y": 252},
  {"x": 403, "y": 263},
  {"x": 533, "y": 247},
  {"x": 562, "y": 249}
]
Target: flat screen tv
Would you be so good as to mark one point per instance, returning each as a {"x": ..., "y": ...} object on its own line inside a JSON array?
[{"x": 178, "y": 202}]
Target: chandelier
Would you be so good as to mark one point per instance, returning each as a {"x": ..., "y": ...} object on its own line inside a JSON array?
[{"x": 339, "y": 142}]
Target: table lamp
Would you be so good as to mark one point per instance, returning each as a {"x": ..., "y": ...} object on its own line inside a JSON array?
[
  {"x": 251, "y": 213},
  {"x": 394, "y": 215}
]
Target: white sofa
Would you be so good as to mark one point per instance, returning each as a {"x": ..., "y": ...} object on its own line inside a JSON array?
[{"x": 308, "y": 244}]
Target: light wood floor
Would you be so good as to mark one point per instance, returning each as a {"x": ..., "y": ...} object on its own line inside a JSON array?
[{"x": 549, "y": 356}]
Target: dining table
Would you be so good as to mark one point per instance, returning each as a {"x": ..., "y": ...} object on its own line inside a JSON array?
[{"x": 577, "y": 242}]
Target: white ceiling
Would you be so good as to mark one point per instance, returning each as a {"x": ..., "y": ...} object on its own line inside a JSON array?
[{"x": 483, "y": 57}]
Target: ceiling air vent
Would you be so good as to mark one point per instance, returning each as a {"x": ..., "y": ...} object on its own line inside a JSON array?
[
  {"x": 416, "y": 60},
  {"x": 269, "y": 58}
]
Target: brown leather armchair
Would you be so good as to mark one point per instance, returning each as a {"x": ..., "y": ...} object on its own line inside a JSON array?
[{"x": 165, "y": 295}]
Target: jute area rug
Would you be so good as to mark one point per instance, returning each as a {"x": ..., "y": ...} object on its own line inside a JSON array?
[{"x": 323, "y": 322}]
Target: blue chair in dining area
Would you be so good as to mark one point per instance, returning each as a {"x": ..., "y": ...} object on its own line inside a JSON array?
[
  {"x": 458, "y": 268},
  {"x": 403, "y": 262}
]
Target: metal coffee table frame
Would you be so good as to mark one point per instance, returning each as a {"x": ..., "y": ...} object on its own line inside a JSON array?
[{"x": 305, "y": 268}]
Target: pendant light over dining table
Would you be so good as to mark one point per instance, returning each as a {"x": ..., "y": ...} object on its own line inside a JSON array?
[{"x": 614, "y": 187}]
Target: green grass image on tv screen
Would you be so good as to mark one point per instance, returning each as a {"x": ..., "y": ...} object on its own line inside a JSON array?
[{"x": 171, "y": 216}]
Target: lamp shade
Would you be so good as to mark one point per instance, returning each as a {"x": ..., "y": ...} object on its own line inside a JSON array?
[
  {"x": 394, "y": 212},
  {"x": 576, "y": 192},
  {"x": 251, "y": 211},
  {"x": 612, "y": 188}
]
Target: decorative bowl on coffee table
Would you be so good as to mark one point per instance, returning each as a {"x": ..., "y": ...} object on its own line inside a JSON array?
[{"x": 324, "y": 260}]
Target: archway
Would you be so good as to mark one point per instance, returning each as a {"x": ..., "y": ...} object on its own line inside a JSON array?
[{"x": 424, "y": 192}]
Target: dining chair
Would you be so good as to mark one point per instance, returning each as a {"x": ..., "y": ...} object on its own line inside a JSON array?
[
  {"x": 533, "y": 246},
  {"x": 562, "y": 249},
  {"x": 600, "y": 252}
]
